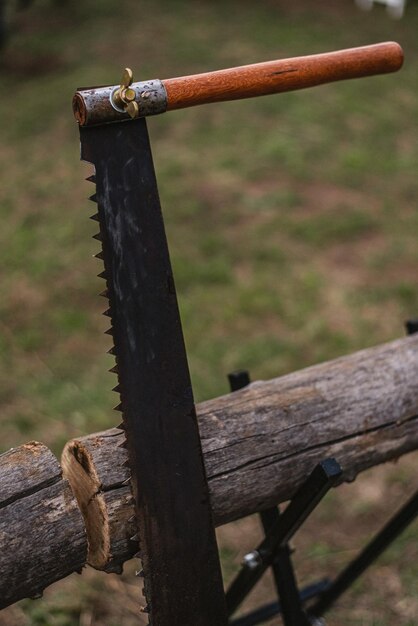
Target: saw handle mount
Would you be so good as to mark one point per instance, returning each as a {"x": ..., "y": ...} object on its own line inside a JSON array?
[{"x": 101, "y": 105}]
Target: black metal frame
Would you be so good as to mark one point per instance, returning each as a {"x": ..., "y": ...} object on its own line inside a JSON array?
[{"x": 307, "y": 606}]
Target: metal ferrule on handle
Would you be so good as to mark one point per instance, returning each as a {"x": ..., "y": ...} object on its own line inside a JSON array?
[
  {"x": 99, "y": 105},
  {"x": 96, "y": 105}
]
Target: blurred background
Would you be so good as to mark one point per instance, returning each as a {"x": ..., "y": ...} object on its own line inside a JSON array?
[{"x": 292, "y": 222}]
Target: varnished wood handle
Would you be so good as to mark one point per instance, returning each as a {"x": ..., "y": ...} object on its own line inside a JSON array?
[
  {"x": 279, "y": 76},
  {"x": 96, "y": 105}
]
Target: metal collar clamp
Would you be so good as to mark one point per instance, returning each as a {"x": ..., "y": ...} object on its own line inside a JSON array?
[{"x": 103, "y": 105}]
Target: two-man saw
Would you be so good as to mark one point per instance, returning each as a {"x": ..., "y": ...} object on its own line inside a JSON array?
[{"x": 176, "y": 538}]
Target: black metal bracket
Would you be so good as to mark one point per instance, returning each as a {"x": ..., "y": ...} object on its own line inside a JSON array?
[
  {"x": 367, "y": 556},
  {"x": 304, "y": 607},
  {"x": 274, "y": 551}
]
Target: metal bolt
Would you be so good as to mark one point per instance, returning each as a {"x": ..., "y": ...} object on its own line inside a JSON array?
[
  {"x": 129, "y": 95},
  {"x": 252, "y": 560}
]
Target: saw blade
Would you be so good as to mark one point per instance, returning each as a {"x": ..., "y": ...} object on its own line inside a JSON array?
[{"x": 178, "y": 550}]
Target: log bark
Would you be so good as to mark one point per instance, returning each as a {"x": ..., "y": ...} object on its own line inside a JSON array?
[
  {"x": 260, "y": 443},
  {"x": 42, "y": 534}
]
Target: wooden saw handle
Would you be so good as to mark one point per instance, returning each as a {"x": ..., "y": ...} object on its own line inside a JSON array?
[
  {"x": 279, "y": 76},
  {"x": 102, "y": 105}
]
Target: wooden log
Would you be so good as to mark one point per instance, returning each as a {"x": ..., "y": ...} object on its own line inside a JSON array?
[
  {"x": 42, "y": 534},
  {"x": 260, "y": 443}
]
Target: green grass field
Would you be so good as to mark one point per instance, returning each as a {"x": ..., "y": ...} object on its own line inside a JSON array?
[{"x": 292, "y": 222}]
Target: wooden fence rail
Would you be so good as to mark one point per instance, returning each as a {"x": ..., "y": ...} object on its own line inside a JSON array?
[{"x": 258, "y": 443}]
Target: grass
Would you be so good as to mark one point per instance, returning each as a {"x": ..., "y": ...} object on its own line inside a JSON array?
[{"x": 292, "y": 226}]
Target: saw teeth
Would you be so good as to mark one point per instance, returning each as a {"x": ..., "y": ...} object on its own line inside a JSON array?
[
  {"x": 130, "y": 499},
  {"x": 137, "y": 555},
  {"x": 114, "y": 370}
]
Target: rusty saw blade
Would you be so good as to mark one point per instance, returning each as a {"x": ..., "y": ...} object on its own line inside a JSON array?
[{"x": 177, "y": 544}]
